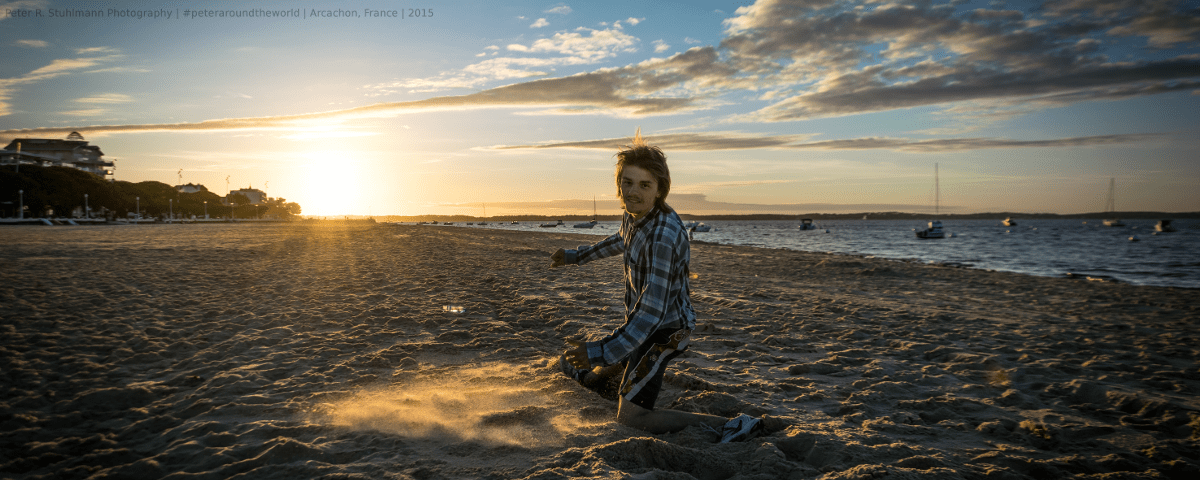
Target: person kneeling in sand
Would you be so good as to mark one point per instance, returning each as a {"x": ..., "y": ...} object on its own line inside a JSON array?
[{"x": 658, "y": 309}]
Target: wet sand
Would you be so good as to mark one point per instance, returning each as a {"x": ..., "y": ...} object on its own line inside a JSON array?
[{"x": 290, "y": 352}]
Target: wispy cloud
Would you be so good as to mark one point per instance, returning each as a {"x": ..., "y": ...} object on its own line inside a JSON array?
[
  {"x": 32, "y": 43},
  {"x": 678, "y": 142},
  {"x": 86, "y": 112},
  {"x": 56, "y": 68},
  {"x": 95, "y": 50},
  {"x": 959, "y": 144},
  {"x": 738, "y": 141},
  {"x": 559, "y": 10},
  {"x": 539, "y": 23},
  {"x": 580, "y": 47},
  {"x": 106, "y": 98}
]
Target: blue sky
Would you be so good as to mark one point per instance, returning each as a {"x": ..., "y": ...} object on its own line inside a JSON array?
[{"x": 517, "y": 107}]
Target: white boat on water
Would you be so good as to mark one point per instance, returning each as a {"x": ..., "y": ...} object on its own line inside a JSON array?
[
  {"x": 1164, "y": 226},
  {"x": 1111, "y": 206},
  {"x": 1009, "y": 222},
  {"x": 551, "y": 225},
  {"x": 701, "y": 227},
  {"x": 806, "y": 224},
  {"x": 591, "y": 223},
  {"x": 934, "y": 229}
]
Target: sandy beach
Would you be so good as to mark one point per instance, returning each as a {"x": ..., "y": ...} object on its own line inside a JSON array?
[{"x": 324, "y": 351}]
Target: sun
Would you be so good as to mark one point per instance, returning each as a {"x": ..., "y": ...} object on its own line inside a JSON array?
[{"x": 332, "y": 186}]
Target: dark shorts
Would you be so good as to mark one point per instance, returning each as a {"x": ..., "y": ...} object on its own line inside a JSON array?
[{"x": 644, "y": 370}]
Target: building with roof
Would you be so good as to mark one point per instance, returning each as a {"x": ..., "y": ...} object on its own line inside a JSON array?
[
  {"x": 256, "y": 196},
  {"x": 72, "y": 152}
]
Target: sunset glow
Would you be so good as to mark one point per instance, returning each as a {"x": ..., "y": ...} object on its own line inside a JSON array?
[{"x": 775, "y": 106}]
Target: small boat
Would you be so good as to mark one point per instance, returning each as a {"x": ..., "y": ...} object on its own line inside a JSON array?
[
  {"x": 934, "y": 231},
  {"x": 701, "y": 227},
  {"x": 591, "y": 223},
  {"x": 1009, "y": 222},
  {"x": 935, "y": 227},
  {"x": 806, "y": 224},
  {"x": 1164, "y": 226},
  {"x": 551, "y": 225},
  {"x": 1111, "y": 207}
]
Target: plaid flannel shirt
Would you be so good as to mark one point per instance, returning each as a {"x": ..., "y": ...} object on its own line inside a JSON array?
[{"x": 656, "y": 252}]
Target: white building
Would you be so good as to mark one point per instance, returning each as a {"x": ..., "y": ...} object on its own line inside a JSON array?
[
  {"x": 73, "y": 152},
  {"x": 190, "y": 188},
  {"x": 256, "y": 196}
]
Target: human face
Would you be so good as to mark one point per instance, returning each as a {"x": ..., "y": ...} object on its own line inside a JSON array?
[{"x": 638, "y": 189}]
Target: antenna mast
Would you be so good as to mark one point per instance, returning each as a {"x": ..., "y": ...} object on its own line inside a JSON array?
[{"x": 937, "y": 191}]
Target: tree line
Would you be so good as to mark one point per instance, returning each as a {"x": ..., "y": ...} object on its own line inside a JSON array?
[{"x": 59, "y": 191}]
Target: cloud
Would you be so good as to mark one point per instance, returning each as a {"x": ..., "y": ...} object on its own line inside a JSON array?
[
  {"x": 32, "y": 43},
  {"x": 660, "y": 46},
  {"x": 592, "y": 46},
  {"x": 678, "y": 142},
  {"x": 613, "y": 91},
  {"x": 715, "y": 141},
  {"x": 581, "y": 47},
  {"x": 795, "y": 60},
  {"x": 634, "y": 21},
  {"x": 541, "y": 22},
  {"x": 91, "y": 50},
  {"x": 844, "y": 58},
  {"x": 697, "y": 188},
  {"x": 106, "y": 98},
  {"x": 56, "y": 68},
  {"x": 960, "y": 144},
  {"x": 87, "y": 112},
  {"x": 559, "y": 10}
]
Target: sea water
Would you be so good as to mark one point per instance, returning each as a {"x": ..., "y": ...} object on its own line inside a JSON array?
[{"x": 1050, "y": 247}]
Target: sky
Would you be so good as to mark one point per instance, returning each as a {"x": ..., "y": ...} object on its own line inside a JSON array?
[{"x": 500, "y": 108}]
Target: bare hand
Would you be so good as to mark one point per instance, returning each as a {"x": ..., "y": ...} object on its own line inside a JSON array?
[
  {"x": 556, "y": 260},
  {"x": 577, "y": 356}
]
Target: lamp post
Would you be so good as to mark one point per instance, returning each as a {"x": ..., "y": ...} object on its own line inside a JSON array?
[
  {"x": 21, "y": 206},
  {"x": 206, "y": 209},
  {"x": 87, "y": 210}
]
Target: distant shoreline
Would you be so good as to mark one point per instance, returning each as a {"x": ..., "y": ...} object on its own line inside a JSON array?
[{"x": 813, "y": 216}]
